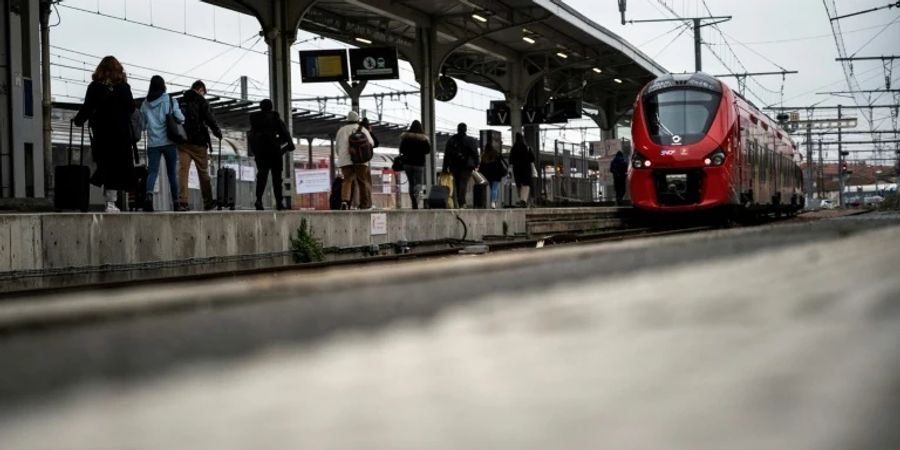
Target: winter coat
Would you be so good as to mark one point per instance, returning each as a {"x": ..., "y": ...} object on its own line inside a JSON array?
[
  {"x": 521, "y": 158},
  {"x": 198, "y": 116},
  {"x": 267, "y": 132},
  {"x": 155, "y": 112},
  {"x": 493, "y": 166},
  {"x": 342, "y": 143},
  {"x": 107, "y": 109},
  {"x": 461, "y": 154},
  {"x": 619, "y": 167},
  {"x": 414, "y": 147}
]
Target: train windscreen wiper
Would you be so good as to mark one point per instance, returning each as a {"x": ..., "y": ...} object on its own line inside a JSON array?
[{"x": 662, "y": 126}]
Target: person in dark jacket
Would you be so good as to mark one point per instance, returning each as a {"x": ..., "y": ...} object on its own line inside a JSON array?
[
  {"x": 619, "y": 169},
  {"x": 198, "y": 116},
  {"x": 267, "y": 132},
  {"x": 461, "y": 159},
  {"x": 156, "y": 107},
  {"x": 414, "y": 146},
  {"x": 522, "y": 159},
  {"x": 493, "y": 167},
  {"x": 108, "y": 105}
]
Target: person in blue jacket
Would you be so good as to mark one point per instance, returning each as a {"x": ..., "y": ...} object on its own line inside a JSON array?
[{"x": 156, "y": 107}]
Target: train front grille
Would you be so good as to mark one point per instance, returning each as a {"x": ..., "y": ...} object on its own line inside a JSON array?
[{"x": 678, "y": 187}]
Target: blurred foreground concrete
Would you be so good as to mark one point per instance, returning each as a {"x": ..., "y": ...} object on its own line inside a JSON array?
[{"x": 724, "y": 340}]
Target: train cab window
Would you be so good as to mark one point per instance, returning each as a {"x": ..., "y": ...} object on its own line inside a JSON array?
[{"x": 680, "y": 115}]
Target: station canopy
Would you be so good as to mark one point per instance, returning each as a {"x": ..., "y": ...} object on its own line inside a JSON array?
[{"x": 482, "y": 41}]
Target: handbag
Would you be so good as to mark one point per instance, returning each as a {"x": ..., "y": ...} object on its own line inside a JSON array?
[
  {"x": 397, "y": 165},
  {"x": 174, "y": 130},
  {"x": 478, "y": 177}
]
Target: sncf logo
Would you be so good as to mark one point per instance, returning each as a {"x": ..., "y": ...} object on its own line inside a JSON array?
[{"x": 666, "y": 152}]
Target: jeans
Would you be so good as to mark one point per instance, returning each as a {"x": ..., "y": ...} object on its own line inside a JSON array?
[
  {"x": 154, "y": 154},
  {"x": 415, "y": 176},
  {"x": 263, "y": 167},
  {"x": 495, "y": 191}
]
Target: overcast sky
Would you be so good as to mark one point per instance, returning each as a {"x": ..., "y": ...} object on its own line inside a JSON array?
[{"x": 765, "y": 35}]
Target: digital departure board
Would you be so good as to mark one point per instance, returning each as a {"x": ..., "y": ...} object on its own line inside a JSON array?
[{"x": 323, "y": 66}]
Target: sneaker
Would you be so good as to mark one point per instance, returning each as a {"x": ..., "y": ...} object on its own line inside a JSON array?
[
  {"x": 112, "y": 208},
  {"x": 345, "y": 206},
  {"x": 493, "y": 205},
  {"x": 181, "y": 207}
]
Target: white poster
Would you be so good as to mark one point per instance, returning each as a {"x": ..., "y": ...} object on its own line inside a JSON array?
[
  {"x": 193, "y": 178},
  {"x": 244, "y": 173},
  {"x": 378, "y": 224},
  {"x": 386, "y": 180},
  {"x": 312, "y": 181}
]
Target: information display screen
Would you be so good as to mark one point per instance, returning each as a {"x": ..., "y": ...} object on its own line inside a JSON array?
[
  {"x": 323, "y": 65},
  {"x": 374, "y": 63}
]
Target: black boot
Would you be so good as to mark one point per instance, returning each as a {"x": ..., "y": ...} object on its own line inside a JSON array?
[
  {"x": 148, "y": 203},
  {"x": 259, "y": 205}
]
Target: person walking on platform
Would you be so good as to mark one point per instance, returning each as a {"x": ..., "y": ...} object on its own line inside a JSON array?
[
  {"x": 156, "y": 108},
  {"x": 108, "y": 106},
  {"x": 353, "y": 173},
  {"x": 494, "y": 168},
  {"x": 619, "y": 169},
  {"x": 522, "y": 160},
  {"x": 198, "y": 117},
  {"x": 267, "y": 133},
  {"x": 461, "y": 159},
  {"x": 414, "y": 146}
]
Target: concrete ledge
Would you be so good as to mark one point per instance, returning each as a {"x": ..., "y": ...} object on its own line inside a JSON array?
[{"x": 57, "y": 241}]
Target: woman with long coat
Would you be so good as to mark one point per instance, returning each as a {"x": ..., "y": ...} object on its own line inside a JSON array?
[
  {"x": 108, "y": 105},
  {"x": 522, "y": 160},
  {"x": 414, "y": 146}
]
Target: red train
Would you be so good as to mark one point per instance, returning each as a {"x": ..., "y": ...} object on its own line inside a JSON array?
[{"x": 698, "y": 145}]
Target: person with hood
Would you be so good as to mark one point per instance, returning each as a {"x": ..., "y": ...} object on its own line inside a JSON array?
[
  {"x": 353, "y": 173},
  {"x": 414, "y": 146},
  {"x": 157, "y": 106},
  {"x": 522, "y": 160},
  {"x": 108, "y": 105},
  {"x": 461, "y": 159},
  {"x": 619, "y": 169},
  {"x": 268, "y": 132},
  {"x": 493, "y": 167},
  {"x": 198, "y": 117}
]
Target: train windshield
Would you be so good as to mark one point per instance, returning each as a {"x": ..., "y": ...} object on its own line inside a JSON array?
[{"x": 680, "y": 116}]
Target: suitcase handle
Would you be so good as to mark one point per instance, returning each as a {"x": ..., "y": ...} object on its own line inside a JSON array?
[{"x": 72, "y": 144}]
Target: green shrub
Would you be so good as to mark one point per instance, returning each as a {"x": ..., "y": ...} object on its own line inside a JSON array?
[{"x": 305, "y": 247}]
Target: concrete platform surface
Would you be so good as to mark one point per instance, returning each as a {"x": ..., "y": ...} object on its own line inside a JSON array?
[{"x": 777, "y": 337}]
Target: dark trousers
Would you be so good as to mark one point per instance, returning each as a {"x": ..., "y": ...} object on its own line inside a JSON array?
[
  {"x": 461, "y": 186},
  {"x": 263, "y": 167},
  {"x": 619, "y": 182}
]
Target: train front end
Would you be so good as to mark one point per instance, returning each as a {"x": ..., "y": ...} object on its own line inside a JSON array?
[{"x": 682, "y": 132}]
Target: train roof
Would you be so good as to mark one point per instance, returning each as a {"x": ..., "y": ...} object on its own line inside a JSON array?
[{"x": 698, "y": 80}]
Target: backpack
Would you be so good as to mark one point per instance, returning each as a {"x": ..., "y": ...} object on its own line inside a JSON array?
[{"x": 360, "y": 148}]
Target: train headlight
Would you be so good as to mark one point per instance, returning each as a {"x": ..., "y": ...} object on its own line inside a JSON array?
[
  {"x": 715, "y": 159},
  {"x": 639, "y": 162}
]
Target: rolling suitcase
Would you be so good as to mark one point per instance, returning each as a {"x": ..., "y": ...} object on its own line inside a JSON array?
[
  {"x": 439, "y": 197},
  {"x": 73, "y": 185},
  {"x": 137, "y": 198},
  {"x": 480, "y": 194},
  {"x": 226, "y": 184}
]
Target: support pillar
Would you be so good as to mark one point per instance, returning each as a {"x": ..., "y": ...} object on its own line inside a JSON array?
[
  {"x": 427, "y": 73},
  {"x": 280, "y": 34},
  {"x": 47, "y": 102},
  {"x": 809, "y": 166},
  {"x": 354, "y": 91}
]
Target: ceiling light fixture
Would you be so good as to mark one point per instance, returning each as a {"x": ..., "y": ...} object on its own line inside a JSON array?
[
  {"x": 479, "y": 18},
  {"x": 597, "y": 70},
  {"x": 562, "y": 55},
  {"x": 617, "y": 80},
  {"x": 528, "y": 39},
  {"x": 363, "y": 40}
]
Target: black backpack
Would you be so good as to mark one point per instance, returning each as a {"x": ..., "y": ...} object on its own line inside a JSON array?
[{"x": 361, "y": 150}]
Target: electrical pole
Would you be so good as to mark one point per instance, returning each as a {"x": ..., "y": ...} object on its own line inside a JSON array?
[
  {"x": 840, "y": 161},
  {"x": 696, "y": 23},
  {"x": 809, "y": 166},
  {"x": 47, "y": 102}
]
